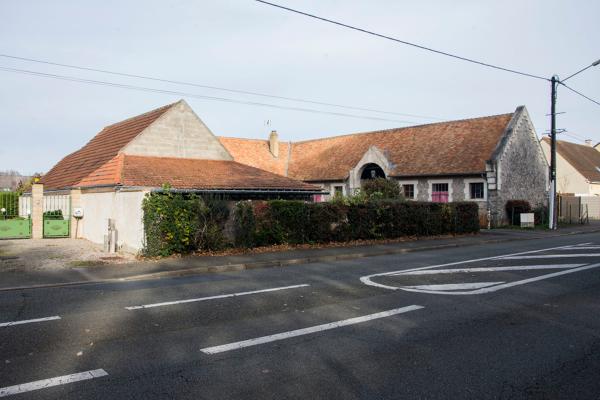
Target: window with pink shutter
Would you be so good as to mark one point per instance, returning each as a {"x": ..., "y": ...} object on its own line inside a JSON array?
[{"x": 439, "y": 192}]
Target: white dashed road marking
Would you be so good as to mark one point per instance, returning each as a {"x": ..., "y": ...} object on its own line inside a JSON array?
[
  {"x": 551, "y": 256},
  {"x": 307, "y": 331},
  {"x": 221, "y": 296},
  {"x": 28, "y": 321},
  {"x": 46, "y": 383}
]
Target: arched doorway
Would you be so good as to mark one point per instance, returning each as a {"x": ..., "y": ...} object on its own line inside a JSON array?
[{"x": 372, "y": 171}]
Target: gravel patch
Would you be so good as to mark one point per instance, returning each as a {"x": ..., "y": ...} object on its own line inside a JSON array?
[{"x": 55, "y": 254}]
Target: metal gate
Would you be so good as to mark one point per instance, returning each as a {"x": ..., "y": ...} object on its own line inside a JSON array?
[
  {"x": 15, "y": 218},
  {"x": 57, "y": 216}
]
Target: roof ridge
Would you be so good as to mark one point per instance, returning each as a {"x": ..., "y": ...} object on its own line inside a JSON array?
[
  {"x": 177, "y": 158},
  {"x": 402, "y": 128},
  {"x": 166, "y": 107},
  {"x": 240, "y": 138}
]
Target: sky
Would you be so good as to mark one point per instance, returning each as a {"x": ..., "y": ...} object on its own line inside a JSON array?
[{"x": 248, "y": 46}]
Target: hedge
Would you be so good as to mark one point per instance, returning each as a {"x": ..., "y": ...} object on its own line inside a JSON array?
[
  {"x": 181, "y": 223},
  {"x": 293, "y": 222}
]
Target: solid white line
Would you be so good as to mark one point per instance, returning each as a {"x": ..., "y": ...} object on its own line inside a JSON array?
[
  {"x": 489, "y": 269},
  {"x": 454, "y": 286},
  {"x": 45, "y": 383},
  {"x": 551, "y": 256},
  {"x": 367, "y": 279},
  {"x": 221, "y": 296},
  {"x": 507, "y": 285},
  {"x": 28, "y": 321},
  {"x": 306, "y": 331}
]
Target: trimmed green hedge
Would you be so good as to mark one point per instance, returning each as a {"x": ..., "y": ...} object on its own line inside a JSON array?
[
  {"x": 181, "y": 223},
  {"x": 293, "y": 222}
]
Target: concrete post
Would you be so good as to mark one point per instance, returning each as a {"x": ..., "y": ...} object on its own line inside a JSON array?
[
  {"x": 37, "y": 211},
  {"x": 75, "y": 222}
]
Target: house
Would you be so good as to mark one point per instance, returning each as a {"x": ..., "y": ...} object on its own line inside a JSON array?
[
  {"x": 489, "y": 160},
  {"x": 577, "y": 167},
  {"x": 109, "y": 176}
]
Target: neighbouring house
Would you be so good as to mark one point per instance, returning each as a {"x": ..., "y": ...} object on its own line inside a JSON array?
[
  {"x": 109, "y": 176},
  {"x": 577, "y": 179},
  {"x": 489, "y": 160},
  {"x": 577, "y": 167}
]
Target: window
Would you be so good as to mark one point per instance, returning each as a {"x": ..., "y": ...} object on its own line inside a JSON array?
[
  {"x": 439, "y": 192},
  {"x": 409, "y": 191},
  {"x": 338, "y": 191},
  {"x": 476, "y": 190}
]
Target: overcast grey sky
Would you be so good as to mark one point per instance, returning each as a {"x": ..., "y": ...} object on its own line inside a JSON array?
[{"x": 241, "y": 44}]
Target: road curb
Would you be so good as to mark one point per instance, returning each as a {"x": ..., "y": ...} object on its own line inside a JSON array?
[{"x": 278, "y": 263}]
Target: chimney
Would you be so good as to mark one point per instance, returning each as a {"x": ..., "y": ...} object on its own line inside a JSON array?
[
  {"x": 588, "y": 142},
  {"x": 274, "y": 143}
]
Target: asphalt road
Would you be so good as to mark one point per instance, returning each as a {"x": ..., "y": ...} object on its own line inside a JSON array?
[{"x": 503, "y": 321}]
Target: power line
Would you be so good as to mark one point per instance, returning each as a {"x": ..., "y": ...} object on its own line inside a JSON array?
[
  {"x": 193, "y": 95},
  {"x": 579, "y": 93},
  {"x": 402, "y": 41},
  {"x": 296, "y": 99}
]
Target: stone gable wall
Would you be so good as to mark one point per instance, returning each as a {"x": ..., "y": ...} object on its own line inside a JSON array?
[{"x": 520, "y": 169}]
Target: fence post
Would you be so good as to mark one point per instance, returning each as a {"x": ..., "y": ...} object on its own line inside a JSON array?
[
  {"x": 37, "y": 211},
  {"x": 75, "y": 203}
]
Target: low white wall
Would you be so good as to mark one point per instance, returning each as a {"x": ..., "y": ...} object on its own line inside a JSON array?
[{"x": 124, "y": 207}]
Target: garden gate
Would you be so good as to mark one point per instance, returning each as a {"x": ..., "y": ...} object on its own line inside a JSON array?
[
  {"x": 57, "y": 215},
  {"x": 15, "y": 216}
]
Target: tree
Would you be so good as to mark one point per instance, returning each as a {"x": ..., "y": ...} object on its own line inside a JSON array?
[{"x": 382, "y": 188}]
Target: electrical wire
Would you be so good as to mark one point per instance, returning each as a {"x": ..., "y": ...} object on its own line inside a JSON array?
[
  {"x": 403, "y": 41},
  {"x": 176, "y": 82},
  {"x": 196, "y": 96},
  {"x": 579, "y": 93}
]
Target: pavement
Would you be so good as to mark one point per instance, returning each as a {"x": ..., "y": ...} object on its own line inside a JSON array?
[
  {"x": 512, "y": 319},
  {"x": 27, "y": 278}
]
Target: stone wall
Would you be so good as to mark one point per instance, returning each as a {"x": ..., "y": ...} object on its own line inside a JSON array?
[{"x": 518, "y": 167}]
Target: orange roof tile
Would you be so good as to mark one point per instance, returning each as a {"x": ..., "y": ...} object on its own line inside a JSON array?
[
  {"x": 188, "y": 173},
  {"x": 255, "y": 152},
  {"x": 96, "y": 158},
  {"x": 445, "y": 148}
]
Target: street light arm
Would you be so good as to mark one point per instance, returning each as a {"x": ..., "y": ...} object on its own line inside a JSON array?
[{"x": 594, "y": 64}]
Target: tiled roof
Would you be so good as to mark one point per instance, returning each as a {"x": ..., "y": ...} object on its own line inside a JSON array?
[
  {"x": 255, "y": 152},
  {"x": 187, "y": 173},
  {"x": 94, "y": 163},
  {"x": 446, "y": 148},
  {"x": 585, "y": 159}
]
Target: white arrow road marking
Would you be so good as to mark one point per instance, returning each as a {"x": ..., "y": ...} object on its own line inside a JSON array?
[
  {"x": 453, "y": 286},
  {"x": 28, "y": 321},
  {"x": 583, "y": 248},
  {"x": 551, "y": 256},
  {"x": 367, "y": 280},
  {"x": 306, "y": 331},
  {"x": 46, "y": 383},
  {"x": 221, "y": 296},
  {"x": 489, "y": 269},
  {"x": 505, "y": 285}
]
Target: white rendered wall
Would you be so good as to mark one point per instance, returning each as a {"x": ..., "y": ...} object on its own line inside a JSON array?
[{"x": 124, "y": 207}]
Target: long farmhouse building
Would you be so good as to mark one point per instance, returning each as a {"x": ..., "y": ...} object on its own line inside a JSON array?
[{"x": 488, "y": 160}]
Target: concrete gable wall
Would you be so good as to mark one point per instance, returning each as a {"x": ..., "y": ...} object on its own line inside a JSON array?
[{"x": 178, "y": 133}]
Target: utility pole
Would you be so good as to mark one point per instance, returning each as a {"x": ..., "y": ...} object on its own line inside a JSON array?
[{"x": 552, "y": 193}]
